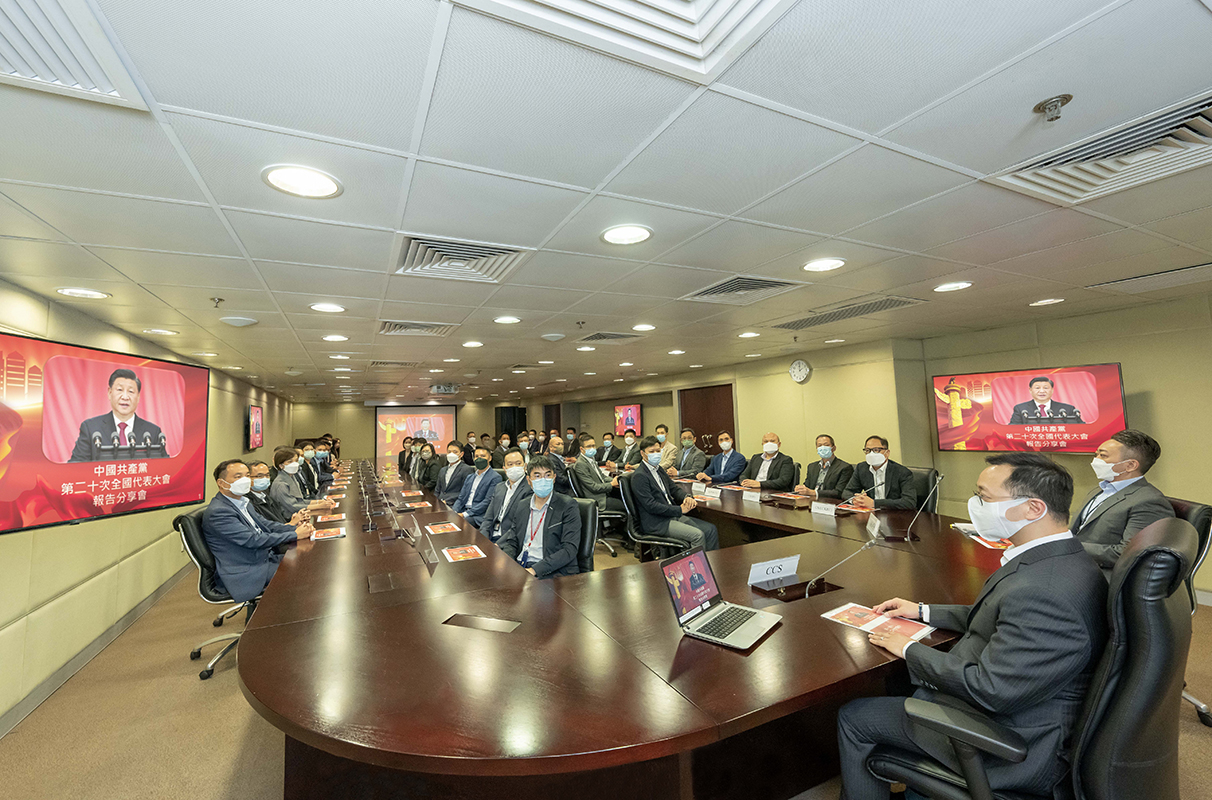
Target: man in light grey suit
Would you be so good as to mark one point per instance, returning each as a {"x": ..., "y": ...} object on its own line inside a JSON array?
[
  {"x": 1124, "y": 501},
  {"x": 1030, "y": 641},
  {"x": 590, "y": 480},
  {"x": 690, "y": 460}
]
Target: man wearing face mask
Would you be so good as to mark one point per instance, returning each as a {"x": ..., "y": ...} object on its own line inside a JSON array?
[
  {"x": 477, "y": 490},
  {"x": 524, "y": 444},
  {"x": 324, "y": 459},
  {"x": 498, "y": 455},
  {"x": 540, "y": 448},
  {"x": 669, "y": 450},
  {"x": 1124, "y": 501},
  {"x": 690, "y": 460},
  {"x": 629, "y": 458},
  {"x": 595, "y": 486},
  {"x": 770, "y": 469},
  {"x": 607, "y": 453},
  {"x": 318, "y": 477},
  {"x": 571, "y": 445},
  {"x": 469, "y": 449},
  {"x": 552, "y": 435},
  {"x": 663, "y": 505},
  {"x": 452, "y": 476},
  {"x": 559, "y": 468},
  {"x": 544, "y": 534},
  {"x": 285, "y": 491},
  {"x": 242, "y": 541},
  {"x": 829, "y": 476},
  {"x": 258, "y": 495},
  {"x": 1030, "y": 643},
  {"x": 726, "y": 467},
  {"x": 880, "y": 482},
  {"x": 509, "y": 492}
]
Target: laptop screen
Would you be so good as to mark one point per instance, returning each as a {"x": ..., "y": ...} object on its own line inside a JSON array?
[{"x": 691, "y": 584}]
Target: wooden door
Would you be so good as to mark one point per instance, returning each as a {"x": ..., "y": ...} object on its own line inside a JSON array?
[{"x": 708, "y": 410}]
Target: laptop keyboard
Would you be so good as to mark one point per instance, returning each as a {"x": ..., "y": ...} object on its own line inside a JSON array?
[{"x": 725, "y": 622}]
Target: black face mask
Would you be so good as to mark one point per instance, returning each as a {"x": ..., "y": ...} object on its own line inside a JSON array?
[{"x": 481, "y": 463}]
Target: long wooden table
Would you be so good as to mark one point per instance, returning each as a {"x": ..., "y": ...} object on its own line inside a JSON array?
[{"x": 353, "y": 654}]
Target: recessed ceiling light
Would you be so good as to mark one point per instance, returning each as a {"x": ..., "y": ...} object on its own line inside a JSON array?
[
  {"x": 519, "y": 372},
  {"x": 626, "y": 234},
  {"x": 617, "y": 380},
  {"x": 473, "y": 344},
  {"x": 451, "y": 360},
  {"x": 336, "y": 337},
  {"x": 529, "y": 387},
  {"x": 653, "y": 374},
  {"x": 823, "y": 264},
  {"x": 834, "y": 341},
  {"x": 513, "y": 391},
  {"x": 206, "y": 355},
  {"x": 327, "y": 308},
  {"x": 341, "y": 369},
  {"x": 1051, "y": 301},
  {"x": 591, "y": 373},
  {"x": 586, "y": 349},
  {"x": 294, "y": 372},
  {"x": 238, "y": 322},
  {"x": 83, "y": 294},
  {"x": 626, "y": 364},
  {"x": 954, "y": 286},
  {"x": 748, "y": 335},
  {"x": 695, "y": 366},
  {"x": 159, "y": 332},
  {"x": 561, "y": 380},
  {"x": 437, "y": 370},
  {"x": 340, "y": 357},
  {"x": 497, "y": 380},
  {"x": 643, "y": 326},
  {"x": 546, "y": 362},
  {"x": 677, "y": 352},
  {"x": 305, "y": 182},
  {"x": 507, "y": 320},
  {"x": 234, "y": 368},
  {"x": 753, "y": 355}
]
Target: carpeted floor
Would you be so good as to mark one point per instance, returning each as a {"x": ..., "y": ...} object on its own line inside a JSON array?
[{"x": 137, "y": 723}]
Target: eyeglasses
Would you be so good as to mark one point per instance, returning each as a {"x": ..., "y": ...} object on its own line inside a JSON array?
[
  {"x": 983, "y": 501},
  {"x": 869, "y": 450}
]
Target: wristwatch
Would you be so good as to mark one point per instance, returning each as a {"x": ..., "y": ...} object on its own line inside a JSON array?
[{"x": 920, "y": 612}]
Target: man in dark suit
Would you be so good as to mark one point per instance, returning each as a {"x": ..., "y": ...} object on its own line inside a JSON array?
[
  {"x": 555, "y": 454},
  {"x": 319, "y": 478},
  {"x": 592, "y": 483},
  {"x": 1030, "y": 642},
  {"x": 498, "y": 455},
  {"x": 880, "y": 482},
  {"x": 662, "y": 504},
  {"x": 1124, "y": 501},
  {"x": 607, "y": 452},
  {"x": 727, "y": 466},
  {"x": 509, "y": 492},
  {"x": 571, "y": 445},
  {"x": 121, "y": 422},
  {"x": 242, "y": 541},
  {"x": 690, "y": 460},
  {"x": 829, "y": 476},
  {"x": 469, "y": 449},
  {"x": 544, "y": 534},
  {"x": 629, "y": 456},
  {"x": 477, "y": 490},
  {"x": 451, "y": 477},
  {"x": 1041, "y": 408},
  {"x": 258, "y": 471},
  {"x": 770, "y": 469}
]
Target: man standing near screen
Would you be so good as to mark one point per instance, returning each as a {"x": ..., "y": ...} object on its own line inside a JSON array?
[
  {"x": 121, "y": 423},
  {"x": 1042, "y": 408}
]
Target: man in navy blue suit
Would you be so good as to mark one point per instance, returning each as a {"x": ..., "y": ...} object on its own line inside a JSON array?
[
  {"x": 242, "y": 541},
  {"x": 725, "y": 467},
  {"x": 477, "y": 489}
]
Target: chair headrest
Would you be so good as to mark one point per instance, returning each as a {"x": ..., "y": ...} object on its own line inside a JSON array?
[{"x": 1170, "y": 535}]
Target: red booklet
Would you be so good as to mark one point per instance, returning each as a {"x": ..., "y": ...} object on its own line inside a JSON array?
[
  {"x": 865, "y": 619},
  {"x": 443, "y": 527},
  {"x": 465, "y": 553},
  {"x": 417, "y": 505},
  {"x": 328, "y": 533},
  {"x": 334, "y": 497},
  {"x": 331, "y": 518},
  {"x": 412, "y": 493}
]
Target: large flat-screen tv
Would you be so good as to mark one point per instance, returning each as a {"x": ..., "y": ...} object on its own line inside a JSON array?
[
  {"x": 435, "y": 424},
  {"x": 88, "y": 433},
  {"x": 627, "y": 417},
  {"x": 1051, "y": 410},
  {"x": 254, "y": 432}
]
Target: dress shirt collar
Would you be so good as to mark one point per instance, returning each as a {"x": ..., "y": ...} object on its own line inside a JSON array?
[
  {"x": 879, "y": 473},
  {"x": 130, "y": 425},
  {"x": 826, "y": 463},
  {"x": 1111, "y": 487},
  {"x": 1014, "y": 551}
]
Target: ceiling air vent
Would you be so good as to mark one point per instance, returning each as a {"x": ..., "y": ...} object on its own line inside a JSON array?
[
  {"x": 530, "y": 366},
  {"x": 741, "y": 290},
  {"x": 848, "y": 312},
  {"x": 607, "y": 337},
  {"x": 58, "y": 46},
  {"x": 395, "y": 328},
  {"x": 1184, "y": 276},
  {"x": 393, "y": 364},
  {"x": 457, "y": 261},
  {"x": 1173, "y": 140}
]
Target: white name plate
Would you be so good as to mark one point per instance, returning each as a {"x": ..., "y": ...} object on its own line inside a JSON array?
[
  {"x": 698, "y": 488},
  {"x": 769, "y": 570},
  {"x": 873, "y": 526},
  {"x": 825, "y": 509},
  {"x": 714, "y": 493},
  {"x": 752, "y": 495}
]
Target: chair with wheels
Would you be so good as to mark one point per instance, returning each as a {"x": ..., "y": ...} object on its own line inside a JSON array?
[
  {"x": 1200, "y": 517},
  {"x": 666, "y": 546},
  {"x": 1125, "y": 741},
  {"x": 606, "y": 519},
  {"x": 798, "y": 473},
  {"x": 190, "y": 527},
  {"x": 589, "y": 533},
  {"x": 923, "y": 481}
]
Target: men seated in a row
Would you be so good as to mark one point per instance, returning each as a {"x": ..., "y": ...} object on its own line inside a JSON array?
[
  {"x": 593, "y": 484},
  {"x": 727, "y": 466},
  {"x": 258, "y": 495},
  {"x": 690, "y": 460},
  {"x": 770, "y": 469},
  {"x": 242, "y": 541},
  {"x": 286, "y": 492},
  {"x": 450, "y": 477},
  {"x": 880, "y": 482},
  {"x": 514, "y": 489},
  {"x": 317, "y": 478},
  {"x": 830, "y": 475},
  {"x": 543, "y": 531},
  {"x": 477, "y": 489},
  {"x": 663, "y": 505}
]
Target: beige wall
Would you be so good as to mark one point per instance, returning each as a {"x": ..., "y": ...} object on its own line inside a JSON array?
[
  {"x": 352, "y": 423},
  {"x": 597, "y": 417},
  {"x": 62, "y": 587}
]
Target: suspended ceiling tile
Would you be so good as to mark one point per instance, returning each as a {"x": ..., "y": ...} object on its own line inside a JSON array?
[
  {"x": 608, "y": 303},
  {"x": 15, "y": 221},
  {"x": 551, "y": 301},
  {"x": 418, "y": 312},
  {"x": 1086, "y": 252},
  {"x": 1168, "y": 197},
  {"x": 657, "y": 280},
  {"x": 27, "y": 257},
  {"x": 234, "y": 301},
  {"x": 890, "y": 276},
  {"x": 127, "y": 222},
  {"x": 1027, "y": 236},
  {"x": 1135, "y": 266},
  {"x": 336, "y": 282},
  {"x": 144, "y": 266},
  {"x": 856, "y": 256},
  {"x": 669, "y": 227},
  {"x": 299, "y": 305},
  {"x": 411, "y": 289},
  {"x": 737, "y": 246},
  {"x": 305, "y": 242},
  {"x": 722, "y": 154},
  {"x": 1191, "y": 227},
  {"x": 568, "y": 271},
  {"x": 460, "y": 203}
]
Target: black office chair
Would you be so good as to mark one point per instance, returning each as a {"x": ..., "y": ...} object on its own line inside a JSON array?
[
  {"x": 668, "y": 546},
  {"x": 1200, "y": 517},
  {"x": 190, "y": 527},
  {"x": 607, "y": 520},
  {"x": 1126, "y": 738},
  {"x": 923, "y": 482},
  {"x": 589, "y": 533},
  {"x": 798, "y": 472},
  {"x": 500, "y": 472}
]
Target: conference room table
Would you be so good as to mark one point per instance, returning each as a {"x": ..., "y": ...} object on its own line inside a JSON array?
[{"x": 395, "y": 672}]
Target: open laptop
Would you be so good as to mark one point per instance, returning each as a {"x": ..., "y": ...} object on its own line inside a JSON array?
[{"x": 700, "y": 610}]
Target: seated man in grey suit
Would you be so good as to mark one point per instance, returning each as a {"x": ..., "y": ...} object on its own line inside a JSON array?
[
  {"x": 880, "y": 482},
  {"x": 258, "y": 471},
  {"x": 544, "y": 534},
  {"x": 451, "y": 476},
  {"x": 1124, "y": 501},
  {"x": 663, "y": 505},
  {"x": 829, "y": 476},
  {"x": 593, "y": 484},
  {"x": 628, "y": 457},
  {"x": 119, "y": 425},
  {"x": 242, "y": 541},
  {"x": 514, "y": 489},
  {"x": 690, "y": 460},
  {"x": 1030, "y": 642},
  {"x": 770, "y": 469}
]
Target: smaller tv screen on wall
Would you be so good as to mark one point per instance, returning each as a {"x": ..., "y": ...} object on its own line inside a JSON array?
[
  {"x": 1050, "y": 410},
  {"x": 627, "y": 417},
  {"x": 254, "y": 434}
]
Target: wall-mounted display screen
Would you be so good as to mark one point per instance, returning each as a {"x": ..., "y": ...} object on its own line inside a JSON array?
[
  {"x": 627, "y": 417},
  {"x": 392, "y": 423},
  {"x": 90, "y": 433},
  {"x": 1056, "y": 409},
  {"x": 254, "y": 432}
]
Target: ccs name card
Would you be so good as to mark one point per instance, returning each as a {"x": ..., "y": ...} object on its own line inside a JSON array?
[
  {"x": 715, "y": 493},
  {"x": 770, "y": 570},
  {"x": 873, "y": 526},
  {"x": 698, "y": 487},
  {"x": 824, "y": 509},
  {"x": 752, "y": 495}
]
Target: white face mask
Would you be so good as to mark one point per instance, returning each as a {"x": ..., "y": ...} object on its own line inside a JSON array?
[
  {"x": 770, "y": 448},
  {"x": 515, "y": 474},
  {"x": 1104, "y": 471},
  {"x": 725, "y": 446},
  {"x": 990, "y": 521},
  {"x": 876, "y": 460},
  {"x": 630, "y": 440},
  {"x": 240, "y": 486},
  {"x": 290, "y": 467},
  {"x": 453, "y": 457}
]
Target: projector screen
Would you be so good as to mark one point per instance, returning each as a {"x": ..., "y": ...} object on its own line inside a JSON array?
[
  {"x": 436, "y": 424},
  {"x": 90, "y": 433},
  {"x": 1050, "y": 410}
]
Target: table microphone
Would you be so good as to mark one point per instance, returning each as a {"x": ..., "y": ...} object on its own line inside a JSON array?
[
  {"x": 870, "y": 543},
  {"x": 909, "y": 531}
]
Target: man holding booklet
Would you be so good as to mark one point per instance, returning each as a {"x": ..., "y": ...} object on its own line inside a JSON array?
[{"x": 1030, "y": 641}]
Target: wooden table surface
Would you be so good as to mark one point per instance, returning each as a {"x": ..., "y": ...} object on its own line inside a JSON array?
[{"x": 596, "y": 674}]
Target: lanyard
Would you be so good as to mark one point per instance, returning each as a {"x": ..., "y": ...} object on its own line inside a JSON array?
[{"x": 534, "y": 531}]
